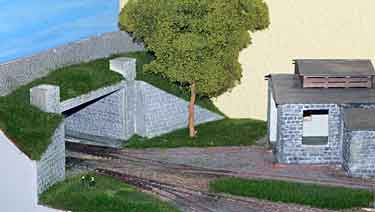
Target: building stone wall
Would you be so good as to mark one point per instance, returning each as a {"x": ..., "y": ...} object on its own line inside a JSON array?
[
  {"x": 22, "y": 71},
  {"x": 51, "y": 167},
  {"x": 159, "y": 112},
  {"x": 289, "y": 147},
  {"x": 359, "y": 153}
]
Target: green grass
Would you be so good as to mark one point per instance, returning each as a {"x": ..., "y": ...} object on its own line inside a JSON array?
[
  {"x": 290, "y": 192},
  {"x": 31, "y": 129},
  {"x": 108, "y": 195},
  {"x": 227, "y": 132}
]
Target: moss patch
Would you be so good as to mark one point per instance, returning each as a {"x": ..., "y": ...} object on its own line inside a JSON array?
[
  {"x": 290, "y": 192},
  {"x": 227, "y": 132},
  {"x": 108, "y": 194}
]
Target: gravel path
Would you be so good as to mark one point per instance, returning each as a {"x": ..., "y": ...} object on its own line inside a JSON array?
[{"x": 252, "y": 162}]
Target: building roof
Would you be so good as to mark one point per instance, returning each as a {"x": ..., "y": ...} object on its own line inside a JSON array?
[
  {"x": 334, "y": 68},
  {"x": 287, "y": 89},
  {"x": 359, "y": 119}
]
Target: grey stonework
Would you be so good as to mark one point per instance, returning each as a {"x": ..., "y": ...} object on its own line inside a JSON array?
[
  {"x": 51, "y": 166},
  {"x": 46, "y": 98},
  {"x": 103, "y": 119},
  {"x": 159, "y": 112},
  {"x": 130, "y": 108},
  {"x": 137, "y": 108},
  {"x": 90, "y": 97},
  {"x": 24, "y": 70},
  {"x": 125, "y": 66},
  {"x": 359, "y": 153},
  {"x": 354, "y": 150},
  {"x": 289, "y": 147}
]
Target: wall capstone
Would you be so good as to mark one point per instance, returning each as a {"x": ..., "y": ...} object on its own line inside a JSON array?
[
  {"x": 46, "y": 98},
  {"x": 124, "y": 66}
]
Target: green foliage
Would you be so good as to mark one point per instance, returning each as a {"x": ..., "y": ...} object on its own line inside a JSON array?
[
  {"x": 218, "y": 133},
  {"x": 31, "y": 129},
  {"x": 196, "y": 40},
  {"x": 108, "y": 194},
  {"x": 290, "y": 192}
]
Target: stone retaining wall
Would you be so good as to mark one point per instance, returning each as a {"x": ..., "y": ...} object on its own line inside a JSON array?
[
  {"x": 102, "y": 120},
  {"x": 159, "y": 112},
  {"x": 359, "y": 153},
  {"x": 137, "y": 108},
  {"x": 289, "y": 147},
  {"x": 51, "y": 167},
  {"x": 22, "y": 71}
]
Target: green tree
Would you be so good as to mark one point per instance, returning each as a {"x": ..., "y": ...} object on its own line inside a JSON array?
[{"x": 196, "y": 42}]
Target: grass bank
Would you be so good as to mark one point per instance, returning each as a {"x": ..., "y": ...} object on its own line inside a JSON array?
[
  {"x": 31, "y": 129},
  {"x": 108, "y": 194},
  {"x": 289, "y": 192},
  {"x": 227, "y": 132}
]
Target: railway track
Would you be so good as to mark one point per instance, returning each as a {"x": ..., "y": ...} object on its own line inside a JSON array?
[
  {"x": 177, "y": 183},
  {"x": 118, "y": 155},
  {"x": 114, "y": 154}
]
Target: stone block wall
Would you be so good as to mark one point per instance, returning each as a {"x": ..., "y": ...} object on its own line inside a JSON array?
[
  {"x": 137, "y": 108},
  {"x": 289, "y": 147},
  {"x": 100, "y": 120},
  {"x": 359, "y": 153},
  {"x": 51, "y": 167},
  {"x": 24, "y": 70},
  {"x": 159, "y": 112}
]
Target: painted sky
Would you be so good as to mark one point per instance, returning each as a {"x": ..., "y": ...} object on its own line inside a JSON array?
[{"x": 28, "y": 27}]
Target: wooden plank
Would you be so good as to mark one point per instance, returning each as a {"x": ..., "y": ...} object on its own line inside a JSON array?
[{"x": 337, "y": 82}]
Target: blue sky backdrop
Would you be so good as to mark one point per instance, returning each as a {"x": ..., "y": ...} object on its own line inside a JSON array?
[{"x": 28, "y": 27}]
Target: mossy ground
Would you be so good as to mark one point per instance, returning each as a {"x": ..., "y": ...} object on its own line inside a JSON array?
[
  {"x": 226, "y": 132},
  {"x": 107, "y": 195},
  {"x": 290, "y": 192}
]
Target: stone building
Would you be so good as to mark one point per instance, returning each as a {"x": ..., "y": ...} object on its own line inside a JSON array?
[{"x": 324, "y": 113}]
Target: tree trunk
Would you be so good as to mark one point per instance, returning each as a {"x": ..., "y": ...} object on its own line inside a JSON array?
[{"x": 193, "y": 95}]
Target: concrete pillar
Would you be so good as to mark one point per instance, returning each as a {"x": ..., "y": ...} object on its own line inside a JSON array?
[
  {"x": 127, "y": 68},
  {"x": 124, "y": 66},
  {"x": 46, "y": 98}
]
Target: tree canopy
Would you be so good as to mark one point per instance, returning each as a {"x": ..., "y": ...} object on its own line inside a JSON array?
[{"x": 196, "y": 41}]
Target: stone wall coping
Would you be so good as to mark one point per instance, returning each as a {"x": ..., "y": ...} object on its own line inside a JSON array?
[
  {"x": 85, "y": 98},
  {"x": 79, "y": 100},
  {"x": 46, "y": 97},
  {"x": 125, "y": 66}
]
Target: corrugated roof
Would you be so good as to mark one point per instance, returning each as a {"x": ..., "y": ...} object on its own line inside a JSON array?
[{"x": 318, "y": 67}]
